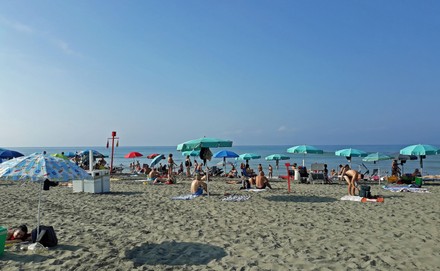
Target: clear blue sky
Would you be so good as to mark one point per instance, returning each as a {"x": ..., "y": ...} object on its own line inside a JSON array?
[{"x": 255, "y": 72}]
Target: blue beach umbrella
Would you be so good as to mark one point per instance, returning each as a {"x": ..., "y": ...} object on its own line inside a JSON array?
[
  {"x": 96, "y": 154},
  {"x": 225, "y": 154},
  {"x": 156, "y": 160},
  {"x": 8, "y": 154}
]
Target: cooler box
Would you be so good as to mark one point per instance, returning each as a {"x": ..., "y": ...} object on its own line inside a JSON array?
[
  {"x": 78, "y": 186},
  {"x": 93, "y": 186},
  {"x": 106, "y": 184},
  {"x": 3, "y": 234},
  {"x": 418, "y": 181}
]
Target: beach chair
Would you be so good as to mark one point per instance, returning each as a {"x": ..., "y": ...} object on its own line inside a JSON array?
[
  {"x": 317, "y": 173},
  {"x": 303, "y": 174}
]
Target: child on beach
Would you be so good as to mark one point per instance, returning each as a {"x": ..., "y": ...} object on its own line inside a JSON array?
[{"x": 17, "y": 235}]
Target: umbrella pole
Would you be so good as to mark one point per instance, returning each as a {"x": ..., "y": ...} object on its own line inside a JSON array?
[
  {"x": 224, "y": 164},
  {"x": 38, "y": 213},
  {"x": 207, "y": 177}
]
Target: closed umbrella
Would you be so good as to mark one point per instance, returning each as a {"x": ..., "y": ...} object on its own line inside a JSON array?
[
  {"x": 204, "y": 142},
  {"x": 421, "y": 150},
  {"x": 305, "y": 149}
]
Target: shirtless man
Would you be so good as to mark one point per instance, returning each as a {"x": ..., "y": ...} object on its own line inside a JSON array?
[
  {"x": 351, "y": 176},
  {"x": 198, "y": 183},
  {"x": 261, "y": 182}
]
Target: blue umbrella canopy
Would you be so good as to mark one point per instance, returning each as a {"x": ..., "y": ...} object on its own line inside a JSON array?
[
  {"x": 8, "y": 154},
  {"x": 96, "y": 154},
  {"x": 351, "y": 153},
  {"x": 156, "y": 160},
  {"x": 204, "y": 142},
  {"x": 191, "y": 153},
  {"x": 225, "y": 154}
]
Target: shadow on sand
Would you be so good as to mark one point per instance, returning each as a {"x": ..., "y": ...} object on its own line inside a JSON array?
[
  {"x": 294, "y": 198},
  {"x": 175, "y": 253}
]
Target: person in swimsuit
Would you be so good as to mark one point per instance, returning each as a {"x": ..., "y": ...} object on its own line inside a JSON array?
[
  {"x": 261, "y": 182},
  {"x": 171, "y": 165},
  {"x": 17, "y": 235},
  {"x": 351, "y": 176},
  {"x": 198, "y": 185}
]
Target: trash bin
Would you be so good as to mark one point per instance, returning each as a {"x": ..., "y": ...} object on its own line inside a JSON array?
[
  {"x": 3, "y": 234},
  {"x": 418, "y": 181}
]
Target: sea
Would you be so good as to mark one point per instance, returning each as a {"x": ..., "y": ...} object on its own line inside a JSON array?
[{"x": 431, "y": 164}]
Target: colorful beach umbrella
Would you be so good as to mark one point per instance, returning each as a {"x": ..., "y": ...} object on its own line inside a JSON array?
[
  {"x": 60, "y": 155},
  {"x": 305, "y": 149},
  {"x": 421, "y": 150},
  {"x": 225, "y": 154},
  {"x": 8, "y": 154}
]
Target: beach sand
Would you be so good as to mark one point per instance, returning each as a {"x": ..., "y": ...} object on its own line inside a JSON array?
[{"x": 139, "y": 227}]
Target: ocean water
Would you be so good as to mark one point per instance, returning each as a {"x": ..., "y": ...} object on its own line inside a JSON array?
[{"x": 431, "y": 165}]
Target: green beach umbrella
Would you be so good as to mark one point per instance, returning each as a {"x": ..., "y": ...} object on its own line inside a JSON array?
[
  {"x": 376, "y": 156},
  {"x": 421, "y": 150},
  {"x": 60, "y": 155},
  {"x": 304, "y": 149},
  {"x": 204, "y": 142},
  {"x": 350, "y": 152},
  {"x": 191, "y": 153},
  {"x": 276, "y": 157},
  {"x": 248, "y": 156}
]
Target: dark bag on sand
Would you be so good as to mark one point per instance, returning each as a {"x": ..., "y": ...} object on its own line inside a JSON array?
[
  {"x": 365, "y": 191},
  {"x": 49, "y": 238}
]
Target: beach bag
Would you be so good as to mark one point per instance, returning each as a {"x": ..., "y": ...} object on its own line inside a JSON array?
[
  {"x": 49, "y": 238},
  {"x": 365, "y": 191}
]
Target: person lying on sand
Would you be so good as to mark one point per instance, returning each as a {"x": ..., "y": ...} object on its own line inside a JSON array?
[
  {"x": 198, "y": 185},
  {"x": 18, "y": 234},
  {"x": 261, "y": 181}
]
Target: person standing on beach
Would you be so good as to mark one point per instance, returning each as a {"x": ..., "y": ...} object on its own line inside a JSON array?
[
  {"x": 351, "y": 176},
  {"x": 270, "y": 171},
  {"x": 170, "y": 165},
  {"x": 188, "y": 165},
  {"x": 260, "y": 168}
]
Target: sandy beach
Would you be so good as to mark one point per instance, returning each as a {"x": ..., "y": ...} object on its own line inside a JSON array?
[{"x": 139, "y": 227}]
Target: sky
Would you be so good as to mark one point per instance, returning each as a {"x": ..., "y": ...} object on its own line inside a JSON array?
[{"x": 255, "y": 72}]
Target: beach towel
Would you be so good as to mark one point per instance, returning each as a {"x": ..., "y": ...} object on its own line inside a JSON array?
[
  {"x": 407, "y": 188},
  {"x": 361, "y": 199},
  {"x": 254, "y": 190},
  {"x": 236, "y": 198},
  {"x": 185, "y": 197}
]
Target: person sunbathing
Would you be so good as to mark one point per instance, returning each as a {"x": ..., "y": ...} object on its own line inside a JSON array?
[
  {"x": 198, "y": 185},
  {"x": 17, "y": 235},
  {"x": 261, "y": 182}
]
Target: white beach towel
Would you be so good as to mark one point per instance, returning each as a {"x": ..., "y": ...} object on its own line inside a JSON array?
[
  {"x": 351, "y": 198},
  {"x": 185, "y": 197},
  {"x": 254, "y": 190},
  {"x": 405, "y": 189}
]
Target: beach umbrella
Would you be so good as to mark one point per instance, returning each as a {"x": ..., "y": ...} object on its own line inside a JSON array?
[
  {"x": 70, "y": 154},
  {"x": 403, "y": 158},
  {"x": 191, "y": 153},
  {"x": 39, "y": 167},
  {"x": 305, "y": 149},
  {"x": 8, "y": 154},
  {"x": 277, "y": 157},
  {"x": 133, "y": 154},
  {"x": 349, "y": 153},
  {"x": 421, "y": 150},
  {"x": 225, "y": 154},
  {"x": 376, "y": 156},
  {"x": 204, "y": 142},
  {"x": 156, "y": 160},
  {"x": 248, "y": 156},
  {"x": 96, "y": 154},
  {"x": 151, "y": 156}
]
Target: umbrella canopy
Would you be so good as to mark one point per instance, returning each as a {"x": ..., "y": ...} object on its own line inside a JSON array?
[
  {"x": 404, "y": 157},
  {"x": 351, "y": 153},
  {"x": 96, "y": 154},
  {"x": 248, "y": 156},
  {"x": 133, "y": 154},
  {"x": 421, "y": 150},
  {"x": 277, "y": 157},
  {"x": 225, "y": 154},
  {"x": 8, "y": 154},
  {"x": 204, "y": 142},
  {"x": 156, "y": 160},
  {"x": 304, "y": 149},
  {"x": 191, "y": 153},
  {"x": 36, "y": 167},
  {"x": 60, "y": 155},
  {"x": 376, "y": 156},
  {"x": 70, "y": 154},
  {"x": 151, "y": 156}
]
